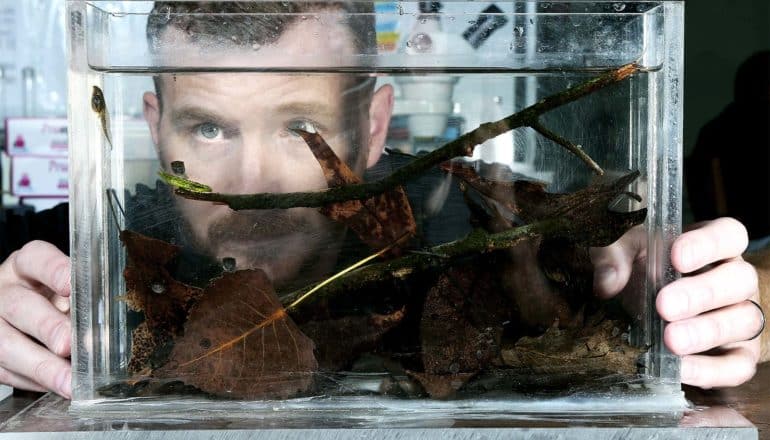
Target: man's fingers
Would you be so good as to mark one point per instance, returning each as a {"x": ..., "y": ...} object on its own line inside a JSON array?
[
  {"x": 20, "y": 355},
  {"x": 730, "y": 369},
  {"x": 729, "y": 283},
  {"x": 714, "y": 241},
  {"x": 730, "y": 324},
  {"x": 39, "y": 262},
  {"x": 34, "y": 315},
  {"x": 8, "y": 377}
]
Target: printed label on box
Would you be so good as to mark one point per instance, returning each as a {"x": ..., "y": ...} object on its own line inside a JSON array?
[
  {"x": 36, "y": 136},
  {"x": 39, "y": 176}
]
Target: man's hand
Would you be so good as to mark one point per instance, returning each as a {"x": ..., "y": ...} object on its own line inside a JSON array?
[
  {"x": 708, "y": 311},
  {"x": 35, "y": 331}
]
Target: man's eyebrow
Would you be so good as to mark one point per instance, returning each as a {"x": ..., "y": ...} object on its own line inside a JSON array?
[
  {"x": 311, "y": 109},
  {"x": 185, "y": 115}
]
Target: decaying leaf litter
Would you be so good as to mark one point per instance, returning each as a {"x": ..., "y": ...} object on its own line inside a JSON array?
[{"x": 511, "y": 296}]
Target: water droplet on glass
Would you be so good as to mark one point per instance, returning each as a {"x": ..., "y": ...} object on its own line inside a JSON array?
[
  {"x": 423, "y": 20},
  {"x": 228, "y": 264},
  {"x": 545, "y": 5},
  {"x": 177, "y": 167},
  {"x": 422, "y": 42},
  {"x": 158, "y": 287},
  {"x": 518, "y": 31},
  {"x": 167, "y": 11},
  {"x": 618, "y": 7}
]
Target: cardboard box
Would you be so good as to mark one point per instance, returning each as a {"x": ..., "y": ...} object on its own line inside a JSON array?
[
  {"x": 39, "y": 176},
  {"x": 36, "y": 136}
]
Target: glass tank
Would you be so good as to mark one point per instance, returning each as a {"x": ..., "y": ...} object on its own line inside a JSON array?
[{"x": 394, "y": 205}]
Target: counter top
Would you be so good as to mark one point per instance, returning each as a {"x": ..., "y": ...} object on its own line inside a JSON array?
[{"x": 737, "y": 408}]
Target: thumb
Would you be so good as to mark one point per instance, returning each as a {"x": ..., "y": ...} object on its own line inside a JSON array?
[{"x": 613, "y": 264}]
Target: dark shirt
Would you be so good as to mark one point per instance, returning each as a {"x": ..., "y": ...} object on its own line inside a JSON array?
[
  {"x": 19, "y": 226},
  {"x": 727, "y": 172}
]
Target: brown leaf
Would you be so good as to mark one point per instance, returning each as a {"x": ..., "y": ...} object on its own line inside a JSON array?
[
  {"x": 538, "y": 301},
  {"x": 378, "y": 221},
  {"x": 587, "y": 211},
  {"x": 596, "y": 350},
  {"x": 338, "y": 341},
  {"x": 462, "y": 321},
  {"x": 164, "y": 301},
  {"x": 239, "y": 342}
]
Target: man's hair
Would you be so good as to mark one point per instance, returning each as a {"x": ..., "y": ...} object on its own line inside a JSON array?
[{"x": 255, "y": 23}]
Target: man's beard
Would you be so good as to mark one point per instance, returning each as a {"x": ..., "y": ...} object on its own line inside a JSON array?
[{"x": 286, "y": 244}]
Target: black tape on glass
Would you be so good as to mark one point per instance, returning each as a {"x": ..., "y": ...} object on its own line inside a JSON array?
[{"x": 484, "y": 26}]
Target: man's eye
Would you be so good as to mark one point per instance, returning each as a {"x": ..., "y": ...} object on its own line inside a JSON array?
[
  {"x": 300, "y": 124},
  {"x": 209, "y": 130}
]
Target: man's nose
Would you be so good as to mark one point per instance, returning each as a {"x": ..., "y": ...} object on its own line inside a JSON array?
[{"x": 260, "y": 169}]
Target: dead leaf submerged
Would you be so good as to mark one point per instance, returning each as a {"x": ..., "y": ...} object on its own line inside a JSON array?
[
  {"x": 340, "y": 341},
  {"x": 587, "y": 211},
  {"x": 378, "y": 221},
  {"x": 239, "y": 342},
  {"x": 597, "y": 349},
  {"x": 150, "y": 289}
]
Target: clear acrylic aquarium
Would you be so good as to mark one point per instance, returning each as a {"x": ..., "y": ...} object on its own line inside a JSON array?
[{"x": 376, "y": 206}]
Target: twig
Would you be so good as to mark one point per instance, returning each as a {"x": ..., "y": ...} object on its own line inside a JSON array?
[
  {"x": 462, "y": 146},
  {"x": 437, "y": 257},
  {"x": 577, "y": 150}
]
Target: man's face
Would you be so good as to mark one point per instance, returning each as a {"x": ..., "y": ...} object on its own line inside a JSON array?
[{"x": 232, "y": 131}]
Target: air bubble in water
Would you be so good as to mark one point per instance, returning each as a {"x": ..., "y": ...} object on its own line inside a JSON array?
[
  {"x": 228, "y": 264},
  {"x": 421, "y": 42},
  {"x": 167, "y": 11},
  {"x": 177, "y": 167},
  {"x": 518, "y": 31},
  {"x": 158, "y": 287},
  {"x": 618, "y": 7}
]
